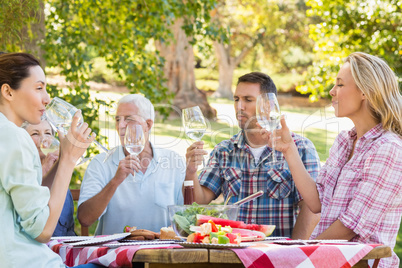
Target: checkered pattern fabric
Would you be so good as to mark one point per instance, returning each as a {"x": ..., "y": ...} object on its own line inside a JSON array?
[
  {"x": 108, "y": 257},
  {"x": 231, "y": 169},
  {"x": 292, "y": 256},
  {"x": 365, "y": 192}
]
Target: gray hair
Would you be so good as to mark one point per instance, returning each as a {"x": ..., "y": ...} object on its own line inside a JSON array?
[{"x": 144, "y": 105}]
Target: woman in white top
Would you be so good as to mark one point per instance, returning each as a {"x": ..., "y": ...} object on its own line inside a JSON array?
[{"x": 30, "y": 212}]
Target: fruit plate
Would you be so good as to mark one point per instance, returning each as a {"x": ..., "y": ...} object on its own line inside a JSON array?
[
  {"x": 216, "y": 246},
  {"x": 101, "y": 239}
]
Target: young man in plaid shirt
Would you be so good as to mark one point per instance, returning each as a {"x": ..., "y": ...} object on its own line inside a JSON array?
[{"x": 243, "y": 165}]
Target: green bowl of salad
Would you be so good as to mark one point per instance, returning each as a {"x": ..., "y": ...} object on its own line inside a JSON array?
[{"x": 184, "y": 216}]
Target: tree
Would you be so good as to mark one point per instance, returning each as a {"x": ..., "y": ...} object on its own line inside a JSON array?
[
  {"x": 373, "y": 27},
  {"x": 275, "y": 25},
  {"x": 22, "y": 24},
  {"x": 179, "y": 72},
  {"x": 124, "y": 35}
]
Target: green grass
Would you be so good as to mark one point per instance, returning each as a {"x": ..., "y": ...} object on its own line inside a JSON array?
[
  {"x": 207, "y": 79},
  {"x": 174, "y": 128},
  {"x": 322, "y": 141}
]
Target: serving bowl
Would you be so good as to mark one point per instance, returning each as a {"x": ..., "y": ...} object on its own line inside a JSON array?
[{"x": 183, "y": 216}]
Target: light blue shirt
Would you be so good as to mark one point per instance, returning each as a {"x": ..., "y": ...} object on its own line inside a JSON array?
[
  {"x": 143, "y": 203},
  {"x": 24, "y": 202}
]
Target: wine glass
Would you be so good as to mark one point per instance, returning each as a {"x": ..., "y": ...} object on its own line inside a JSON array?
[
  {"x": 268, "y": 115},
  {"x": 60, "y": 114},
  {"x": 49, "y": 144},
  {"x": 134, "y": 140},
  {"x": 194, "y": 124}
]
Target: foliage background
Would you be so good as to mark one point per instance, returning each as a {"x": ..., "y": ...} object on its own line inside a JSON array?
[{"x": 374, "y": 27}]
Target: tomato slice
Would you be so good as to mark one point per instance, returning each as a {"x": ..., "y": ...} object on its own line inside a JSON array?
[
  {"x": 126, "y": 229},
  {"x": 213, "y": 226}
]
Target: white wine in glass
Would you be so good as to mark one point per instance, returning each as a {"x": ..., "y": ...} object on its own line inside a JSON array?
[
  {"x": 194, "y": 124},
  {"x": 49, "y": 144},
  {"x": 60, "y": 114},
  {"x": 134, "y": 140},
  {"x": 268, "y": 115}
]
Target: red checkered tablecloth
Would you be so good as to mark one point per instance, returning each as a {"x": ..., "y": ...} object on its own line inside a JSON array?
[
  {"x": 109, "y": 257},
  {"x": 267, "y": 255},
  {"x": 291, "y": 256}
]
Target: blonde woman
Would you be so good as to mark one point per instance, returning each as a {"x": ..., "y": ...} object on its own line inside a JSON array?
[
  {"x": 38, "y": 133},
  {"x": 358, "y": 190}
]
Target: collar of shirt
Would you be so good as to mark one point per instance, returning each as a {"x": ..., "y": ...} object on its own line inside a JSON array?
[
  {"x": 372, "y": 134},
  {"x": 239, "y": 140}
]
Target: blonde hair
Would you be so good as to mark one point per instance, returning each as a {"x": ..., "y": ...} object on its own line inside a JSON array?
[{"x": 379, "y": 84}]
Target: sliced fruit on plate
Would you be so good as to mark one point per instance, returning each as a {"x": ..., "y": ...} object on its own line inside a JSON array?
[
  {"x": 266, "y": 229},
  {"x": 246, "y": 235}
]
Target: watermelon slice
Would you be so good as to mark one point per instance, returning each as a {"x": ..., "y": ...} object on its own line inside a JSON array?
[
  {"x": 265, "y": 229},
  {"x": 249, "y": 235},
  {"x": 223, "y": 222}
]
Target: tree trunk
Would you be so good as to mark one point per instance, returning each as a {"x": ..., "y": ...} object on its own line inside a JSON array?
[
  {"x": 179, "y": 72},
  {"x": 227, "y": 65},
  {"x": 34, "y": 34},
  {"x": 226, "y": 70}
]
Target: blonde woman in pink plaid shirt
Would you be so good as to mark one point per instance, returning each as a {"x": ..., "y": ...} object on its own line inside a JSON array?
[{"x": 359, "y": 189}]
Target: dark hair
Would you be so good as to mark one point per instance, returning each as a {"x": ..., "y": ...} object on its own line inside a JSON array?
[
  {"x": 14, "y": 67},
  {"x": 265, "y": 82}
]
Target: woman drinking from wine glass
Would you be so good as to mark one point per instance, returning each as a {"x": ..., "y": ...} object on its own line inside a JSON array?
[
  {"x": 29, "y": 211},
  {"x": 358, "y": 191},
  {"x": 42, "y": 135},
  {"x": 39, "y": 133}
]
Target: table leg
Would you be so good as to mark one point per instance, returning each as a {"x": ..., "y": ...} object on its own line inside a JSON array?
[{"x": 361, "y": 264}]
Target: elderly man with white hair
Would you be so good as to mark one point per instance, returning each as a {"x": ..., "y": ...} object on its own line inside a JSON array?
[{"x": 110, "y": 194}]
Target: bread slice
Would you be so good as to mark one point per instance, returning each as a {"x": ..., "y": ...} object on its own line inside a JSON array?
[{"x": 167, "y": 233}]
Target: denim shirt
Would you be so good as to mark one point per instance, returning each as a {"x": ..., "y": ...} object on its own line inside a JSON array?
[{"x": 65, "y": 226}]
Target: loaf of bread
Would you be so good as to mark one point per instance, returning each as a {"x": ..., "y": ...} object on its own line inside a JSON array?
[
  {"x": 142, "y": 234},
  {"x": 167, "y": 233}
]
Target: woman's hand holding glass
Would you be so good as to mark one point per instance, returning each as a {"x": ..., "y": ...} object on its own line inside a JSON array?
[
  {"x": 280, "y": 139},
  {"x": 60, "y": 114},
  {"x": 78, "y": 138}
]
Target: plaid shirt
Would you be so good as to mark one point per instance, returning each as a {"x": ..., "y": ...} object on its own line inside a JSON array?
[
  {"x": 232, "y": 169},
  {"x": 364, "y": 193}
]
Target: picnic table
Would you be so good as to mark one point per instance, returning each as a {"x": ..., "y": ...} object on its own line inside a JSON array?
[
  {"x": 258, "y": 254},
  {"x": 197, "y": 258}
]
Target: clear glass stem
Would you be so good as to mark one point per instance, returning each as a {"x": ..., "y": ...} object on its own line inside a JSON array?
[
  {"x": 273, "y": 147},
  {"x": 100, "y": 146}
]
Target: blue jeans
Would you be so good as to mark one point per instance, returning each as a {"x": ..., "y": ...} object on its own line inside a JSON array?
[{"x": 89, "y": 265}]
